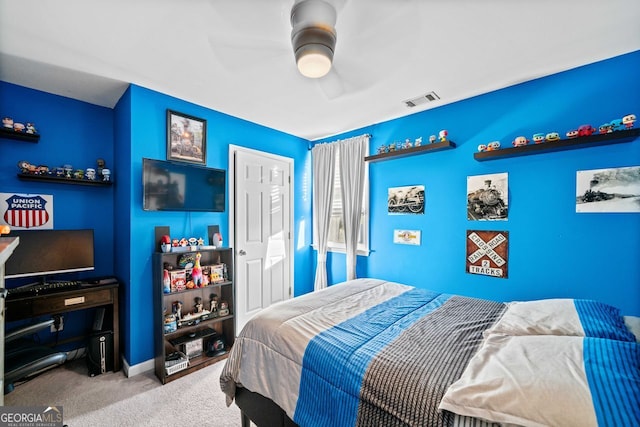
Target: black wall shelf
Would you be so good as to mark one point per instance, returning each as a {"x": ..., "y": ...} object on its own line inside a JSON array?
[
  {"x": 62, "y": 180},
  {"x": 21, "y": 136},
  {"x": 427, "y": 148},
  {"x": 564, "y": 144}
]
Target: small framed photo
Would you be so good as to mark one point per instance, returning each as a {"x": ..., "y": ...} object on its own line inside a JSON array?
[{"x": 186, "y": 138}]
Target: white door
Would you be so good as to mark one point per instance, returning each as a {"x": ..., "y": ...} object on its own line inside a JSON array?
[{"x": 262, "y": 231}]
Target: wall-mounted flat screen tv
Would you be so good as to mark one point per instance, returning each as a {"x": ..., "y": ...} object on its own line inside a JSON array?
[{"x": 172, "y": 186}]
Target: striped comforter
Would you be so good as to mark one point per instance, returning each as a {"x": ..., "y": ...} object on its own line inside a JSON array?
[
  {"x": 366, "y": 352},
  {"x": 375, "y": 353}
]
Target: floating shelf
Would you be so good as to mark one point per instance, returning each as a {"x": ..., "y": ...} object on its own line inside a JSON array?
[
  {"x": 404, "y": 152},
  {"x": 562, "y": 145},
  {"x": 21, "y": 136},
  {"x": 62, "y": 180}
]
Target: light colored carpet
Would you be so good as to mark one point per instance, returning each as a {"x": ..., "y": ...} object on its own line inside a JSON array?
[{"x": 112, "y": 399}]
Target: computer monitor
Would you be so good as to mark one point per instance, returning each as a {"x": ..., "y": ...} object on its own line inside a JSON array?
[{"x": 50, "y": 252}]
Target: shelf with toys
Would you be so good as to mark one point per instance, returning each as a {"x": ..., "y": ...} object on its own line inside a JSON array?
[
  {"x": 194, "y": 314},
  {"x": 17, "y": 135},
  {"x": 65, "y": 174},
  {"x": 62, "y": 180},
  {"x": 397, "y": 150},
  {"x": 583, "y": 137}
]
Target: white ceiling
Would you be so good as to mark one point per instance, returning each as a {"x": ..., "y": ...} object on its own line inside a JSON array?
[{"x": 235, "y": 56}]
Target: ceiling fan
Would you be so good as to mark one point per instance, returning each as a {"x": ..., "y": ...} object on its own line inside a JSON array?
[
  {"x": 313, "y": 36},
  {"x": 305, "y": 31}
]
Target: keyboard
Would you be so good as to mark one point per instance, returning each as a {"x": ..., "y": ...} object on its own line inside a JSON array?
[{"x": 52, "y": 287}]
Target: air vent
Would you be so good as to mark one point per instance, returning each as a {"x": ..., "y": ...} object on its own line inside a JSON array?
[{"x": 422, "y": 99}]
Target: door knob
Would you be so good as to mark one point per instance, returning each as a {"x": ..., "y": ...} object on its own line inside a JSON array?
[{"x": 242, "y": 252}]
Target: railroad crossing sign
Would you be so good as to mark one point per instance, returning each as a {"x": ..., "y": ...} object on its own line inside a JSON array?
[{"x": 487, "y": 253}]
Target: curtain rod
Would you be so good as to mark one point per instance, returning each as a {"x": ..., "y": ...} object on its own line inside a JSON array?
[{"x": 312, "y": 143}]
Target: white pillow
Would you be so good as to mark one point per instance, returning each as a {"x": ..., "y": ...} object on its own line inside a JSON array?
[
  {"x": 633, "y": 323},
  {"x": 543, "y": 380},
  {"x": 562, "y": 316}
]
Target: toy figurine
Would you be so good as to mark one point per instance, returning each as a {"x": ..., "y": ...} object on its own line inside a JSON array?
[
  {"x": 101, "y": 165},
  {"x": 629, "y": 120},
  {"x": 605, "y": 128},
  {"x": 492, "y": 146},
  {"x": 418, "y": 142},
  {"x": 196, "y": 272},
  {"x": 67, "y": 170},
  {"x": 442, "y": 135},
  {"x": 18, "y": 127},
  {"x": 482, "y": 147},
  {"x": 586, "y": 130},
  {"x": 7, "y": 122},
  {"x": 573, "y": 133},
  {"x": 199, "y": 307},
  {"x": 177, "y": 309},
  {"x": 407, "y": 143},
  {"x": 166, "y": 282},
  {"x": 520, "y": 141},
  {"x": 432, "y": 139},
  {"x": 90, "y": 174},
  {"x": 552, "y": 137},
  {"x": 31, "y": 128},
  {"x": 224, "y": 309},
  {"x": 538, "y": 138},
  {"x": 616, "y": 124},
  {"x": 106, "y": 175},
  {"x": 213, "y": 304},
  {"x": 200, "y": 241}
]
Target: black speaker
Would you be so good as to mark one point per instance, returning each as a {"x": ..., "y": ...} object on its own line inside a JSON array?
[
  {"x": 216, "y": 346},
  {"x": 100, "y": 353}
]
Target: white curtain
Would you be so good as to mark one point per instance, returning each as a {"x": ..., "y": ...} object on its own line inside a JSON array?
[
  {"x": 323, "y": 156},
  {"x": 352, "y": 171}
]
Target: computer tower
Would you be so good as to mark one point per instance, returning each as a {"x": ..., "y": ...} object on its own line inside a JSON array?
[{"x": 100, "y": 353}]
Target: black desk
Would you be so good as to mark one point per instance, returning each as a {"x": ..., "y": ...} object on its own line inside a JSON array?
[{"x": 25, "y": 307}]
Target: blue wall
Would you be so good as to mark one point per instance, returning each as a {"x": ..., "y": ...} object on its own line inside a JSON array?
[
  {"x": 147, "y": 138},
  {"x": 553, "y": 251},
  {"x": 71, "y": 132},
  {"x": 79, "y": 133}
]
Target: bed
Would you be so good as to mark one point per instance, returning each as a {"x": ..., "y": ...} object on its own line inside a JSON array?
[{"x": 369, "y": 352}]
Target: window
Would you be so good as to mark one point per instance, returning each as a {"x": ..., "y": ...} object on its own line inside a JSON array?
[{"x": 336, "y": 226}]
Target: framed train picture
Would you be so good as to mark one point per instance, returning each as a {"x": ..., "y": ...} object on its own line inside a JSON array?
[
  {"x": 405, "y": 200},
  {"x": 608, "y": 190},
  {"x": 488, "y": 197}
]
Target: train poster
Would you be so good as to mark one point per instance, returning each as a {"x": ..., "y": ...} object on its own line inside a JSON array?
[
  {"x": 406, "y": 200},
  {"x": 488, "y": 197},
  {"x": 488, "y": 253},
  {"x": 608, "y": 190}
]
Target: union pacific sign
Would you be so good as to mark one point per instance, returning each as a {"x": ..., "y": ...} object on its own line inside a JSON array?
[{"x": 27, "y": 211}]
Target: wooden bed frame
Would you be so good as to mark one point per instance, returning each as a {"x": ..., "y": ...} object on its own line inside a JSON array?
[{"x": 261, "y": 411}]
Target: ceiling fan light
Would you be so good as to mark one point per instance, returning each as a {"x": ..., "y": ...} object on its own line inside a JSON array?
[{"x": 314, "y": 61}]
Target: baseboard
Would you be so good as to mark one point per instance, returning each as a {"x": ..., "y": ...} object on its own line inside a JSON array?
[{"x": 137, "y": 369}]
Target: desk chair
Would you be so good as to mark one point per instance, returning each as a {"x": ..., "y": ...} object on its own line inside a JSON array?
[{"x": 25, "y": 358}]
